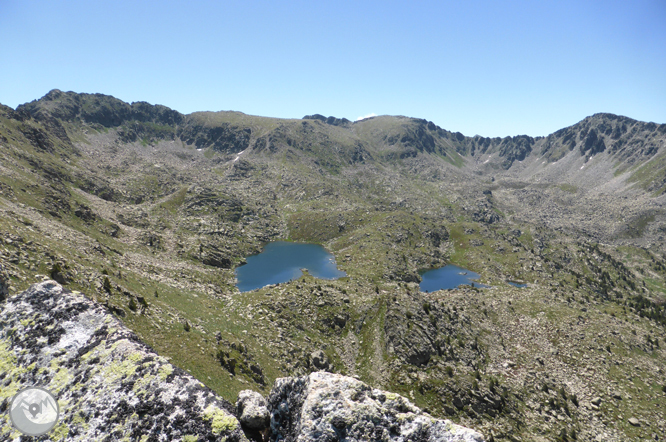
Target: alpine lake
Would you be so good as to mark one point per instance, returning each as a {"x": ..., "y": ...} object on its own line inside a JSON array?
[
  {"x": 282, "y": 261},
  {"x": 448, "y": 277}
]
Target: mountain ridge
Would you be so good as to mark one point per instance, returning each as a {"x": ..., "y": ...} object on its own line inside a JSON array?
[{"x": 594, "y": 134}]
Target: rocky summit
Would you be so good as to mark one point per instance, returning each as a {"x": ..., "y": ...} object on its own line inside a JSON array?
[
  {"x": 147, "y": 213},
  {"x": 110, "y": 386}
]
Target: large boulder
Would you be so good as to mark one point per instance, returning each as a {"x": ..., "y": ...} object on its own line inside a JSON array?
[
  {"x": 326, "y": 407},
  {"x": 109, "y": 385},
  {"x": 320, "y": 360},
  {"x": 253, "y": 414}
]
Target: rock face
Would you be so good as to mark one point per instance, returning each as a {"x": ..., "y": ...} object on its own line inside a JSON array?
[
  {"x": 109, "y": 386},
  {"x": 326, "y": 407}
]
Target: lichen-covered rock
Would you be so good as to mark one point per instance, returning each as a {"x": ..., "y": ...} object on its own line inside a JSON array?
[
  {"x": 108, "y": 384},
  {"x": 328, "y": 407}
]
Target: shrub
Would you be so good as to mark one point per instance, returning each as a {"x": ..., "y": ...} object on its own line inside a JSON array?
[
  {"x": 106, "y": 284},
  {"x": 55, "y": 270}
]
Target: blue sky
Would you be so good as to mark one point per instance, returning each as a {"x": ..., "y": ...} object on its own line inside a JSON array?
[{"x": 479, "y": 67}]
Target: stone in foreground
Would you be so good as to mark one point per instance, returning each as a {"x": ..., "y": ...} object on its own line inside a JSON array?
[
  {"x": 326, "y": 407},
  {"x": 253, "y": 410},
  {"x": 109, "y": 385}
]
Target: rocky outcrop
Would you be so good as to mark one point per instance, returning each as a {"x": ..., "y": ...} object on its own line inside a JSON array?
[
  {"x": 483, "y": 212},
  {"x": 222, "y": 138},
  {"x": 211, "y": 255},
  {"x": 330, "y": 120},
  {"x": 100, "y": 109},
  {"x": 108, "y": 384},
  {"x": 331, "y": 407},
  {"x": 4, "y": 283},
  {"x": 626, "y": 139}
]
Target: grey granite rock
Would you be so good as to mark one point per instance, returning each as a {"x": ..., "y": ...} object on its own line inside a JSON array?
[
  {"x": 108, "y": 384},
  {"x": 253, "y": 410},
  {"x": 331, "y": 407}
]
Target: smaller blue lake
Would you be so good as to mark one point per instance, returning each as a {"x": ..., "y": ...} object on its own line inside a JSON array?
[
  {"x": 282, "y": 261},
  {"x": 516, "y": 284},
  {"x": 448, "y": 277}
]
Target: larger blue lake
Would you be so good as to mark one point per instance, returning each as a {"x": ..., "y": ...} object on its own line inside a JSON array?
[
  {"x": 282, "y": 261},
  {"x": 447, "y": 277}
]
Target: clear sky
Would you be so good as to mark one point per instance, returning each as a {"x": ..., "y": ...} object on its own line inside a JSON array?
[{"x": 492, "y": 68}]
